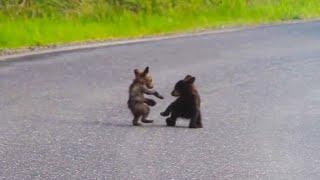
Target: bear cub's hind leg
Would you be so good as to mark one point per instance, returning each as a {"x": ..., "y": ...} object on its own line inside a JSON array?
[
  {"x": 135, "y": 120},
  {"x": 171, "y": 121}
]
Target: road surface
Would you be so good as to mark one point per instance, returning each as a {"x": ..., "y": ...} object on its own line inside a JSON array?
[{"x": 64, "y": 115}]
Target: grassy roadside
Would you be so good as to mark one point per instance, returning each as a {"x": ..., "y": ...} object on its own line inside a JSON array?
[{"x": 41, "y": 22}]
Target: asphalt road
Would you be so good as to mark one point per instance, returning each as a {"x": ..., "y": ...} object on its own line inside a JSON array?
[{"x": 64, "y": 115}]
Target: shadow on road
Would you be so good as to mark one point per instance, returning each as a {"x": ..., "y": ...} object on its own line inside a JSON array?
[{"x": 124, "y": 125}]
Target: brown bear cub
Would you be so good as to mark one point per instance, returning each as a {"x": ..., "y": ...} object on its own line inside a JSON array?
[
  {"x": 137, "y": 103},
  {"x": 187, "y": 105}
]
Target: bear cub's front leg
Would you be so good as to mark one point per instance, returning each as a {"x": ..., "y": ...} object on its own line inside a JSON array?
[{"x": 167, "y": 111}]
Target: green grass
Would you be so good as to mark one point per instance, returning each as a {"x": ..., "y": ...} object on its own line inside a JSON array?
[{"x": 41, "y": 22}]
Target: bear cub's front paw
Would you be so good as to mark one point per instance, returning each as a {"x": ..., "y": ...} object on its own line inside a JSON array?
[
  {"x": 165, "y": 114},
  {"x": 151, "y": 102}
]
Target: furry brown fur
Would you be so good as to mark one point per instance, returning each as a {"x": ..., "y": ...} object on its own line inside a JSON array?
[{"x": 137, "y": 103}]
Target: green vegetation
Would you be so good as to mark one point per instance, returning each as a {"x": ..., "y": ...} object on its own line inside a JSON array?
[{"x": 40, "y": 22}]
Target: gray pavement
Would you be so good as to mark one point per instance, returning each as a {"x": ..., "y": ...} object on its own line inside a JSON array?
[{"x": 64, "y": 115}]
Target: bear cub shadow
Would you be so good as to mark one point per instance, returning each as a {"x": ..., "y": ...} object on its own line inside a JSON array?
[{"x": 187, "y": 104}]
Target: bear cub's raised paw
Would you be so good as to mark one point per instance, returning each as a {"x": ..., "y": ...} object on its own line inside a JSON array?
[{"x": 164, "y": 114}]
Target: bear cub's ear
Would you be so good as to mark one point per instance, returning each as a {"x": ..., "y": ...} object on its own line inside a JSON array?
[
  {"x": 189, "y": 79},
  {"x": 136, "y": 72},
  {"x": 146, "y": 70}
]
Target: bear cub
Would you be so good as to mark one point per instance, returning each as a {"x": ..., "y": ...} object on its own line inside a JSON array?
[{"x": 187, "y": 104}]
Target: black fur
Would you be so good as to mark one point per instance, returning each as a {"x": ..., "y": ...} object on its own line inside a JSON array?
[{"x": 187, "y": 105}]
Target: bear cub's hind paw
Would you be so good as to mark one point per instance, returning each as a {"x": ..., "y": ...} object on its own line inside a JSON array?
[
  {"x": 146, "y": 121},
  {"x": 170, "y": 122}
]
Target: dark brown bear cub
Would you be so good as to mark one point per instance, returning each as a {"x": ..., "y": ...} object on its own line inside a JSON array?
[{"x": 187, "y": 105}]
